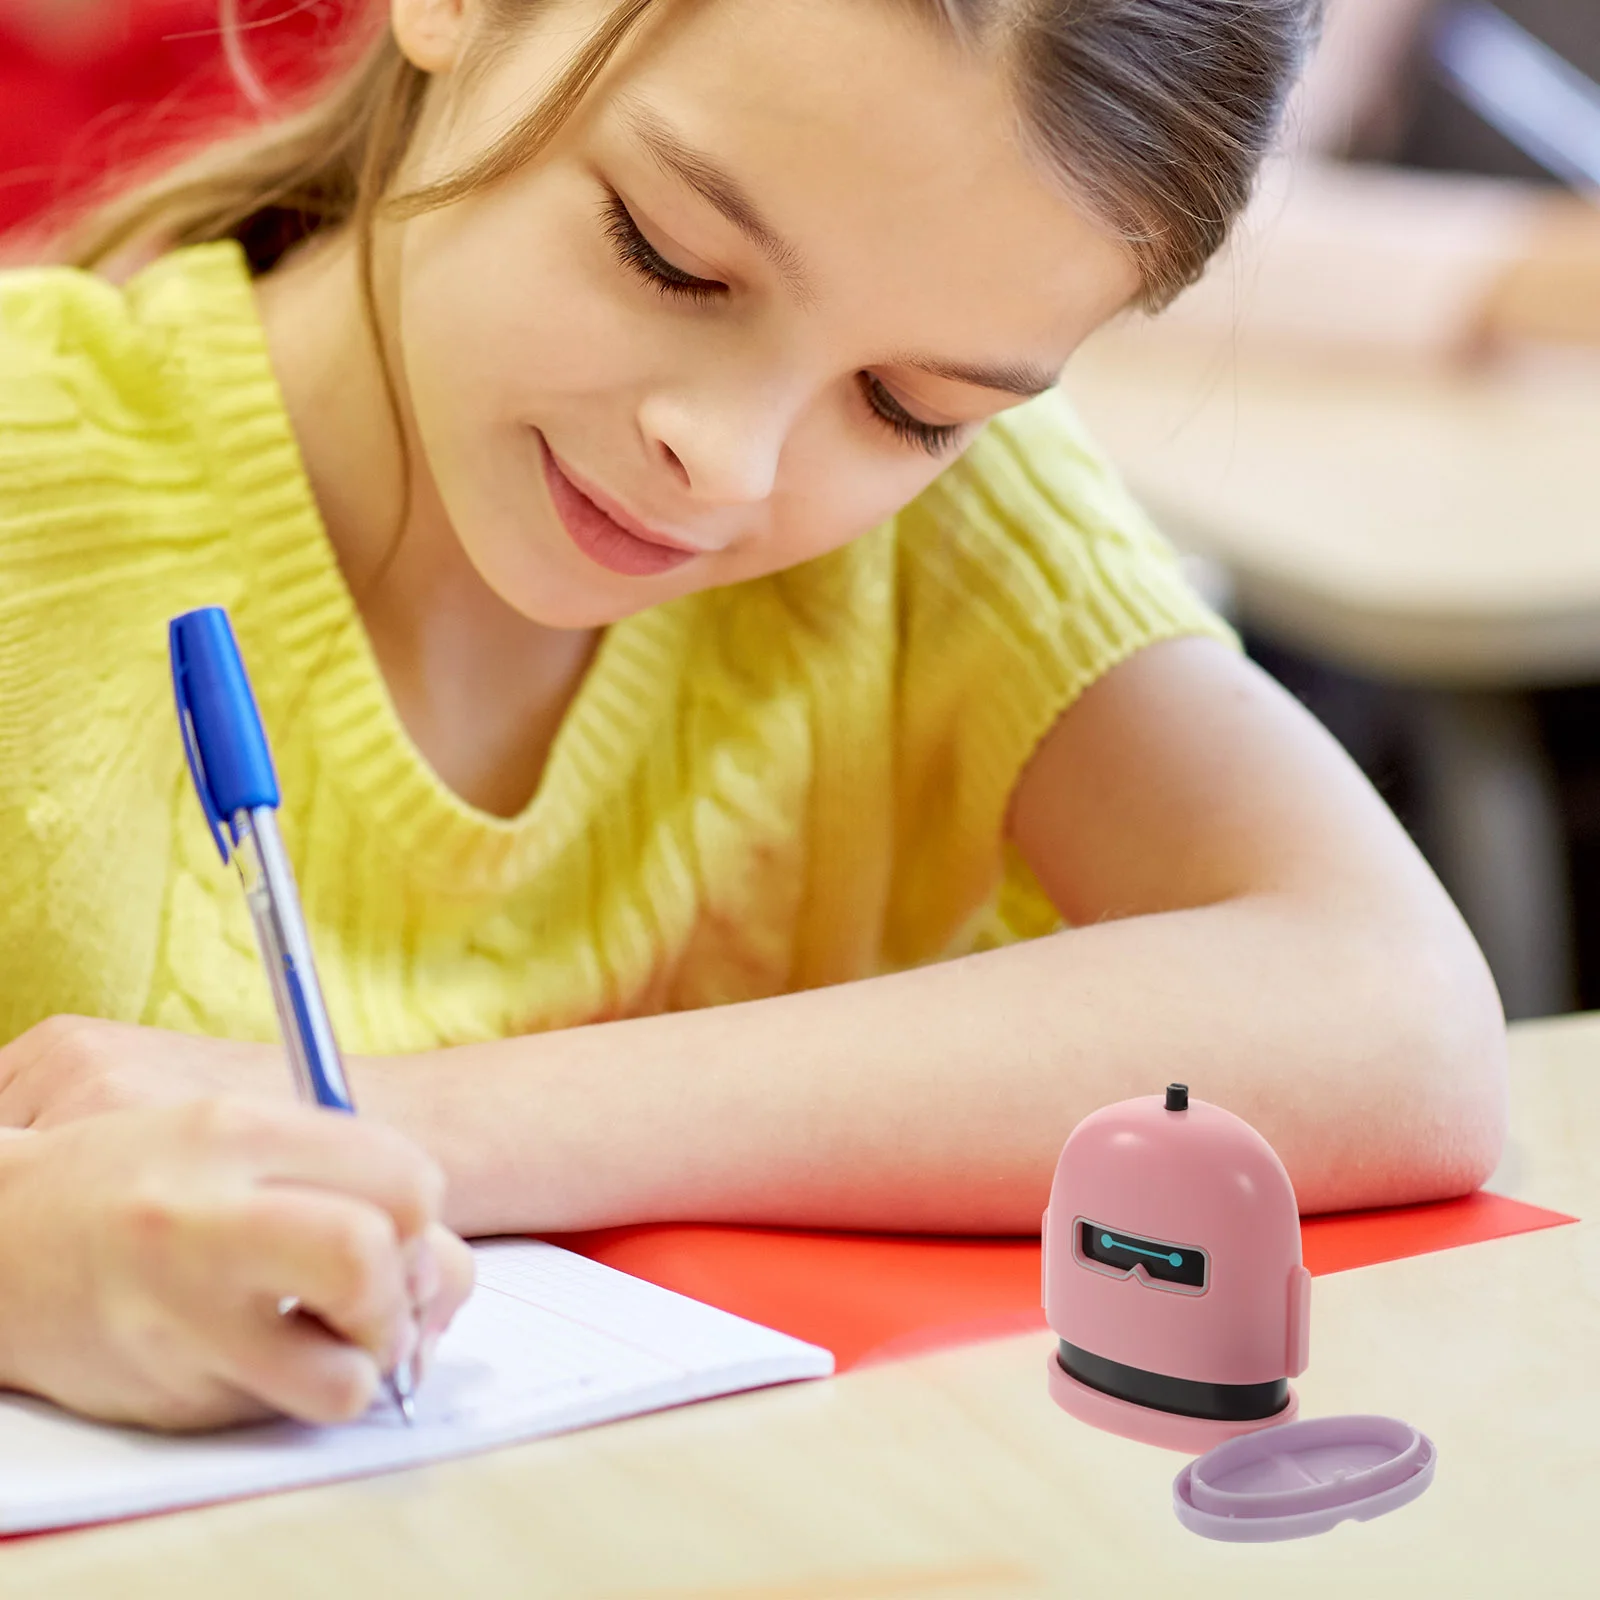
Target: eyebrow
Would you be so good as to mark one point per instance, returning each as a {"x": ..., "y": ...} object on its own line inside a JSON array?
[
  {"x": 1011, "y": 377},
  {"x": 719, "y": 189}
]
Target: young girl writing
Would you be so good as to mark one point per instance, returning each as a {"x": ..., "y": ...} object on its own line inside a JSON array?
[{"x": 699, "y": 647}]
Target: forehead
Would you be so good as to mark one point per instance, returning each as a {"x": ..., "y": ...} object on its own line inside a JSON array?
[{"x": 889, "y": 155}]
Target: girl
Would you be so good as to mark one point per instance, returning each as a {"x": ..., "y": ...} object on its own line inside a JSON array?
[{"x": 746, "y": 758}]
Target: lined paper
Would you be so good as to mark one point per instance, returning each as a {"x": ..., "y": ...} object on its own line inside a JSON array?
[{"x": 549, "y": 1342}]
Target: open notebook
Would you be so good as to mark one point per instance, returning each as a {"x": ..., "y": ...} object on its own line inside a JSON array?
[{"x": 548, "y": 1342}]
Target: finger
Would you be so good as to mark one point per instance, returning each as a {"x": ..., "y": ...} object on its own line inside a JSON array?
[
  {"x": 182, "y": 1393},
  {"x": 58, "y": 1071},
  {"x": 301, "y": 1369},
  {"x": 201, "y": 1406},
  {"x": 337, "y": 1258},
  {"x": 327, "y": 1150},
  {"x": 18, "y": 1060},
  {"x": 456, "y": 1267},
  {"x": 422, "y": 1268},
  {"x": 457, "y": 1271},
  {"x": 14, "y": 1111}
]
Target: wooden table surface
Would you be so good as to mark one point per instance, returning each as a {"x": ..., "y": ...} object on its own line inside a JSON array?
[
  {"x": 1412, "y": 522},
  {"x": 954, "y": 1475}
]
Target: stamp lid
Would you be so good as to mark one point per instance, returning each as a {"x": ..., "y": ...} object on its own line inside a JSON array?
[{"x": 1303, "y": 1478}]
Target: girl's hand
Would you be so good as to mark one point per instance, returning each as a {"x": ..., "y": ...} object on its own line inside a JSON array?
[
  {"x": 72, "y": 1067},
  {"x": 144, "y": 1256}
]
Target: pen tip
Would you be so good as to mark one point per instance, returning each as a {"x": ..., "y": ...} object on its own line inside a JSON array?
[{"x": 402, "y": 1390}]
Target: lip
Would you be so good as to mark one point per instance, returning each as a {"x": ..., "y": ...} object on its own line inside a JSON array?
[{"x": 603, "y": 531}]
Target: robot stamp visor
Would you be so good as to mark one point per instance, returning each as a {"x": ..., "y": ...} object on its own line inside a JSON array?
[{"x": 1181, "y": 1268}]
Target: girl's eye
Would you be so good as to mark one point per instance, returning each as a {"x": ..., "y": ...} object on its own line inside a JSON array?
[
  {"x": 636, "y": 253},
  {"x": 935, "y": 438}
]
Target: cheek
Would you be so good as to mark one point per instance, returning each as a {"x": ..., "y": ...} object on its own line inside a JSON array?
[
  {"x": 509, "y": 303},
  {"x": 835, "y": 489},
  {"x": 475, "y": 332}
]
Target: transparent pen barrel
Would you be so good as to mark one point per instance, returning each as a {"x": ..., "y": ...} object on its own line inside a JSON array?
[{"x": 286, "y": 953}]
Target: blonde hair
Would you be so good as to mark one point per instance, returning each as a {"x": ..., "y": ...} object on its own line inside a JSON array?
[{"x": 1156, "y": 112}]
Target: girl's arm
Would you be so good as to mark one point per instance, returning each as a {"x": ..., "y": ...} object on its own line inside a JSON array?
[
  {"x": 1390, "y": 264},
  {"x": 1248, "y": 918}
]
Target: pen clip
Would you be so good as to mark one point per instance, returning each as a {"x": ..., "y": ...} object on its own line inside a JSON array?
[
  {"x": 191, "y": 744},
  {"x": 223, "y": 740}
]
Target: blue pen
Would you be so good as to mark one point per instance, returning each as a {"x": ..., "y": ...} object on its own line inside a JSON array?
[{"x": 238, "y": 789}]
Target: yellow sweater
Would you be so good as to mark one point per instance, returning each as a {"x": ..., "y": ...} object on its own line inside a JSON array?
[{"x": 793, "y": 782}]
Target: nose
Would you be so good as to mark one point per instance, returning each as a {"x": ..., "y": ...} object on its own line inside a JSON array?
[{"x": 724, "y": 449}]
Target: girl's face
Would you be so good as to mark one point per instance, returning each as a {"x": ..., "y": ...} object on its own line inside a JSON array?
[{"x": 759, "y": 292}]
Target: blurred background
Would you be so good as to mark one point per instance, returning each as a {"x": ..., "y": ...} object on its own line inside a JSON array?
[
  {"x": 1374, "y": 427},
  {"x": 1376, "y": 424},
  {"x": 88, "y": 86}
]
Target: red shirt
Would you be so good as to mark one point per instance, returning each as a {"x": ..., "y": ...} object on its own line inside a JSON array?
[{"x": 148, "y": 74}]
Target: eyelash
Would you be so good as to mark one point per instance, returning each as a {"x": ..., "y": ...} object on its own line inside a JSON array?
[
  {"x": 640, "y": 257},
  {"x": 637, "y": 254},
  {"x": 935, "y": 438}
]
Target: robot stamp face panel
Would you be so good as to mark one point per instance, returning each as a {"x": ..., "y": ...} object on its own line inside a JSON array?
[{"x": 1160, "y": 1264}]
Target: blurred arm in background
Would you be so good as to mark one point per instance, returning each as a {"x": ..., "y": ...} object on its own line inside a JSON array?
[{"x": 1345, "y": 256}]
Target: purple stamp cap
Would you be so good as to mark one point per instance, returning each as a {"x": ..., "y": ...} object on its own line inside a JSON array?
[{"x": 1303, "y": 1478}]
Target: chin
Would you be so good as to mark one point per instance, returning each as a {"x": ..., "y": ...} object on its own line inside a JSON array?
[
  {"x": 557, "y": 601},
  {"x": 532, "y": 572}
]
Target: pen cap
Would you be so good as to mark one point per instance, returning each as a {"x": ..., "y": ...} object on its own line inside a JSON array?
[{"x": 222, "y": 733}]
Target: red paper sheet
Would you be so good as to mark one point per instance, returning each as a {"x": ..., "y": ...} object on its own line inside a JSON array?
[{"x": 877, "y": 1297}]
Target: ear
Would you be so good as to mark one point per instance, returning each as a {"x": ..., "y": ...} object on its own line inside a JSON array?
[{"x": 432, "y": 33}]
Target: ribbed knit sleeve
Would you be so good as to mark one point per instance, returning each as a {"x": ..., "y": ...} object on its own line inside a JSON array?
[
  {"x": 85, "y": 784},
  {"x": 1025, "y": 573}
]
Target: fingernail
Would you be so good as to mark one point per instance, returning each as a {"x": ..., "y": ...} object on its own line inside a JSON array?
[
  {"x": 422, "y": 1273},
  {"x": 425, "y": 1354},
  {"x": 405, "y": 1347}
]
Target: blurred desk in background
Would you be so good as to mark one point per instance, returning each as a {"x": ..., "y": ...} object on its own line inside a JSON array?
[{"x": 1432, "y": 529}]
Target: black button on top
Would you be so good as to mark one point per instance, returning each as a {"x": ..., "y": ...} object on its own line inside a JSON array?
[{"x": 1177, "y": 1097}]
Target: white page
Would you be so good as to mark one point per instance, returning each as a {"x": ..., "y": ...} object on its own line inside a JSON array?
[{"x": 549, "y": 1341}]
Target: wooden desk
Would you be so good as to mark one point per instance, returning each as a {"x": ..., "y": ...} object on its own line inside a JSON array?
[
  {"x": 955, "y": 1476},
  {"x": 1424, "y": 528}
]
